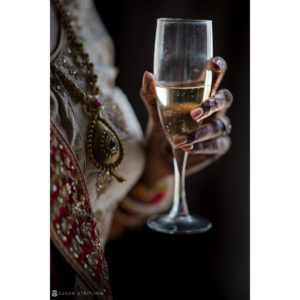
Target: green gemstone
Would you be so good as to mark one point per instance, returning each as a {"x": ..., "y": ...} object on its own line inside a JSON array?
[{"x": 112, "y": 144}]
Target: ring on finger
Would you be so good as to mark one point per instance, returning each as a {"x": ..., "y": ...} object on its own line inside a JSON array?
[{"x": 226, "y": 124}]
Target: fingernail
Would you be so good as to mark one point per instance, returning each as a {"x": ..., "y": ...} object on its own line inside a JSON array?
[
  {"x": 187, "y": 147},
  {"x": 150, "y": 75},
  {"x": 179, "y": 139},
  {"x": 218, "y": 62},
  {"x": 197, "y": 113},
  {"x": 145, "y": 78}
]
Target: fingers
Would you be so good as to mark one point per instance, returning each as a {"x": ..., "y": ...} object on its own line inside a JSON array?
[
  {"x": 219, "y": 67},
  {"x": 148, "y": 94},
  {"x": 211, "y": 130},
  {"x": 219, "y": 146},
  {"x": 219, "y": 102}
]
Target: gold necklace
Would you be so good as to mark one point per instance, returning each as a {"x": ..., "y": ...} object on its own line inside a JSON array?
[{"x": 104, "y": 148}]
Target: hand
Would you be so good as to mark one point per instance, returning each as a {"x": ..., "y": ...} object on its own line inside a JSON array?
[{"x": 208, "y": 142}]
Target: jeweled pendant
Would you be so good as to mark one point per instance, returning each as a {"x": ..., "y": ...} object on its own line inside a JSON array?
[{"x": 104, "y": 148}]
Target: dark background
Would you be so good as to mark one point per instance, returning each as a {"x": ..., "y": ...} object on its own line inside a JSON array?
[{"x": 215, "y": 265}]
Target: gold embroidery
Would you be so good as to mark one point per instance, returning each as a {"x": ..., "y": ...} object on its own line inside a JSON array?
[
  {"x": 73, "y": 227},
  {"x": 106, "y": 155}
]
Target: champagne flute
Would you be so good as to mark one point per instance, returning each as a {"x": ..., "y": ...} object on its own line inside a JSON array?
[{"x": 182, "y": 55}]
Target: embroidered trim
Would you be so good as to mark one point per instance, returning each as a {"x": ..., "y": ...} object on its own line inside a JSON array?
[
  {"x": 81, "y": 70},
  {"x": 73, "y": 225}
]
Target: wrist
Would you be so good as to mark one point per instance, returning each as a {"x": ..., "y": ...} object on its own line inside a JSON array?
[
  {"x": 144, "y": 200},
  {"x": 151, "y": 192}
]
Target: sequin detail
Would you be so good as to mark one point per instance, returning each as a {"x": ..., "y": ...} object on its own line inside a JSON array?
[{"x": 73, "y": 226}]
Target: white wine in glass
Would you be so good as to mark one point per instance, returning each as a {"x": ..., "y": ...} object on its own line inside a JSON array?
[
  {"x": 183, "y": 51},
  {"x": 175, "y": 104}
]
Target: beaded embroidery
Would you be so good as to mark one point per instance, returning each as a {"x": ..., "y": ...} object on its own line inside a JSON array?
[
  {"x": 73, "y": 224},
  {"x": 76, "y": 72}
]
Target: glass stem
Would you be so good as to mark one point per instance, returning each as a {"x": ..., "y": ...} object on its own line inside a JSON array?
[{"x": 179, "y": 207}]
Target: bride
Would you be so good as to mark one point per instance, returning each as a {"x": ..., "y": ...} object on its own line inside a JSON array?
[{"x": 108, "y": 177}]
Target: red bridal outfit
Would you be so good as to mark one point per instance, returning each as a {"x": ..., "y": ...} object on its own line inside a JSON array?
[{"x": 96, "y": 155}]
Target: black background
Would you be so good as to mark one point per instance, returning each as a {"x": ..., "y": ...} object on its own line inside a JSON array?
[{"x": 214, "y": 265}]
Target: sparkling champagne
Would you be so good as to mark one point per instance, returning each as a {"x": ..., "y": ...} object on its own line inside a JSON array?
[{"x": 175, "y": 104}]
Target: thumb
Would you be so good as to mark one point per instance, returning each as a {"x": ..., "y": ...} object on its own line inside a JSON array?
[{"x": 148, "y": 95}]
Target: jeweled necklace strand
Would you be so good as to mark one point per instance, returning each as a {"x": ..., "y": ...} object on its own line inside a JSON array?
[{"x": 104, "y": 147}]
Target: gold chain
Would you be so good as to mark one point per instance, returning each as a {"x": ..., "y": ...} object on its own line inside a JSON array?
[
  {"x": 104, "y": 147},
  {"x": 90, "y": 99},
  {"x": 90, "y": 104}
]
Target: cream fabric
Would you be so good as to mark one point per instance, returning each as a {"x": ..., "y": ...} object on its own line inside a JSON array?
[{"x": 69, "y": 117}]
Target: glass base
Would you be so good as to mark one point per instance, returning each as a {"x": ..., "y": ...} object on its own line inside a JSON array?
[{"x": 179, "y": 225}]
